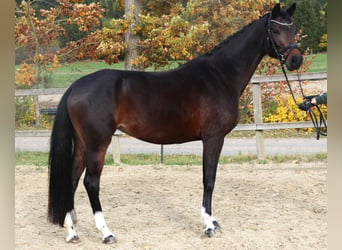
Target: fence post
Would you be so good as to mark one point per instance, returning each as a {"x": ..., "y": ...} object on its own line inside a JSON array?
[
  {"x": 116, "y": 149},
  {"x": 257, "y": 109},
  {"x": 36, "y": 109}
]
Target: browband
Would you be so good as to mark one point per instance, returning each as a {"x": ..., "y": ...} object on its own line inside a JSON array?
[{"x": 283, "y": 24}]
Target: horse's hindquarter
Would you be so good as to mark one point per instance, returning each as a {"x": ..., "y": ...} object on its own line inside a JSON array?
[
  {"x": 170, "y": 107},
  {"x": 91, "y": 106}
]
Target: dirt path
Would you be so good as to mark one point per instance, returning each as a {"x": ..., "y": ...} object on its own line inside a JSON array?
[{"x": 158, "y": 207}]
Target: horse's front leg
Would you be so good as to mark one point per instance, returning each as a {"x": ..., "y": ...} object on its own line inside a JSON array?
[{"x": 211, "y": 152}]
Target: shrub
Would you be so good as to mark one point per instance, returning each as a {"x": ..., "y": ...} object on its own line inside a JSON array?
[
  {"x": 246, "y": 106},
  {"x": 24, "y": 112},
  {"x": 25, "y": 115},
  {"x": 287, "y": 111},
  {"x": 323, "y": 42}
]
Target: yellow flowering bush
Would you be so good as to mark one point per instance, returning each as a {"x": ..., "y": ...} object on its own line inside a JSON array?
[{"x": 287, "y": 111}]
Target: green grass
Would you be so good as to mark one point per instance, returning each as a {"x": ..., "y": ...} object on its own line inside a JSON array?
[
  {"x": 319, "y": 62},
  {"x": 147, "y": 159},
  {"x": 31, "y": 158},
  {"x": 41, "y": 159},
  {"x": 276, "y": 133},
  {"x": 63, "y": 76}
]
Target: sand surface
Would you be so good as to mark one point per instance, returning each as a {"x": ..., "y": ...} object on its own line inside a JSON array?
[{"x": 259, "y": 206}]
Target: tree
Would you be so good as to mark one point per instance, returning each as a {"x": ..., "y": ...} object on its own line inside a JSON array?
[
  {"x": 133, "y": 10},
  {"x": 39, "y": 35},
  {"x": 163, "y": 31},
  {"x": 36, "y": 36},
  {"x": 152, "y": 34},
  {"x": 311, "y": 17},
  {"x": 182, "y": 31}
]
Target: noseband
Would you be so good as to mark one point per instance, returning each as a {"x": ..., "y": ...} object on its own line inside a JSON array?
[{"x": 279, "y": 52}]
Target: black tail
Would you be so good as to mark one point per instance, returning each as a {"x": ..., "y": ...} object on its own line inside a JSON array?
[{"x": 60, "y": 165}]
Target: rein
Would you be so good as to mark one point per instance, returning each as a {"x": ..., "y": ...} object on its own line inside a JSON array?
[{"x": 317, "y": 123}]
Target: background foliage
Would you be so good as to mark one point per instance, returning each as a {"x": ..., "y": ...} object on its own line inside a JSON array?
[
  {"x": 51, "y": 33},
  {"x": 311, "y": 17}
]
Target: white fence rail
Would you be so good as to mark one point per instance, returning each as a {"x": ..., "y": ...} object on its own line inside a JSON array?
[{"x": 258, "y": 126}]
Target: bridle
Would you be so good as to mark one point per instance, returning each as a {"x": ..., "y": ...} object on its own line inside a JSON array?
[
  {"x": 317, "y": 123},
  {"x": 279, "y": 52}
]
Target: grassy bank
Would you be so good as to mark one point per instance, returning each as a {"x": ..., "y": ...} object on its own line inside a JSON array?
[
  {"x": 63, "y": 76},
  {"x": 319, "y": 62},
  {"x": 41, "y": 159}
]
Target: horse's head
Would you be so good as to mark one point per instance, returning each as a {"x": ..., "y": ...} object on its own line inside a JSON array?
[{"x": 281, "y": 37}]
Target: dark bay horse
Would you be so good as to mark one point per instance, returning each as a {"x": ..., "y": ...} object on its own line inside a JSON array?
[{"x": 197, "y": 101}]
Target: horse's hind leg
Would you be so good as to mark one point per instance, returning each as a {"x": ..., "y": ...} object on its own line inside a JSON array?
[
  {"x": 95, "y": 160},
  {"x": 78, "y": 167}
]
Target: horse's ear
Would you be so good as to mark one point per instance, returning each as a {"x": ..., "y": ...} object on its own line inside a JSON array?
[
  {"x": 292, "y": 9},
  {"x": 276, "y": 10}
]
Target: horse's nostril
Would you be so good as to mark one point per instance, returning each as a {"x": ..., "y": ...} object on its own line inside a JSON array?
[{"x": 297, "y": 61}]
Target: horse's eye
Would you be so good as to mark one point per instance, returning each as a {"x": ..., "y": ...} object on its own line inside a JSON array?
[{"x": 276, "y": 31}]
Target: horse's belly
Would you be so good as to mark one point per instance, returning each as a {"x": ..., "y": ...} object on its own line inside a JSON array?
[{"x": 170, "y": 134}]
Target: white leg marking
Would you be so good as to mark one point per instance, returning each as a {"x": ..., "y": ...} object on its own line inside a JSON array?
[
  {"x": 207, "y": 219},
  {"x": 69, "y": 225},
  {"x": 101, "y": 225}
]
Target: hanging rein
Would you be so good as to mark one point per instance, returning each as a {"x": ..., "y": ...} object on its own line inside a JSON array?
[{"x": 317, "y": 122}]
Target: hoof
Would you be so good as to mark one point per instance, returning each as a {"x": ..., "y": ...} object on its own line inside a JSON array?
[
  {"x": 217, "y": 225},
  {"x": 210, "y": 232},
  {"x": 73, "y": 239},
  {"x": 109, "y": 240}
]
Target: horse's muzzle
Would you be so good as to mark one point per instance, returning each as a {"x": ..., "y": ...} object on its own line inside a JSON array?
[{"x": 294, "y": 61}]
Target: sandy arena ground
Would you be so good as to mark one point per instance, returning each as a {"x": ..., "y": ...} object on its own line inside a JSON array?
[{"x": 271, "y": 206}]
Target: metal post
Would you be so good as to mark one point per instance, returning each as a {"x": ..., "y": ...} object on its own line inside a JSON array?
[{"x": 161, "y": 154}]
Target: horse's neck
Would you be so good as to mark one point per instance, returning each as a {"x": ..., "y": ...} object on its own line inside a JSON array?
[{"x": 239, "y": 56}]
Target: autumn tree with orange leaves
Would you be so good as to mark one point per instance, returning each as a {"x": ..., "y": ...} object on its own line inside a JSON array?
[
  {"x": 39, "y": 35},
  {"x": 167, "y": 30},
  {"x": 182, "y": 30},
  {"x": 158, "y": 33}
]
